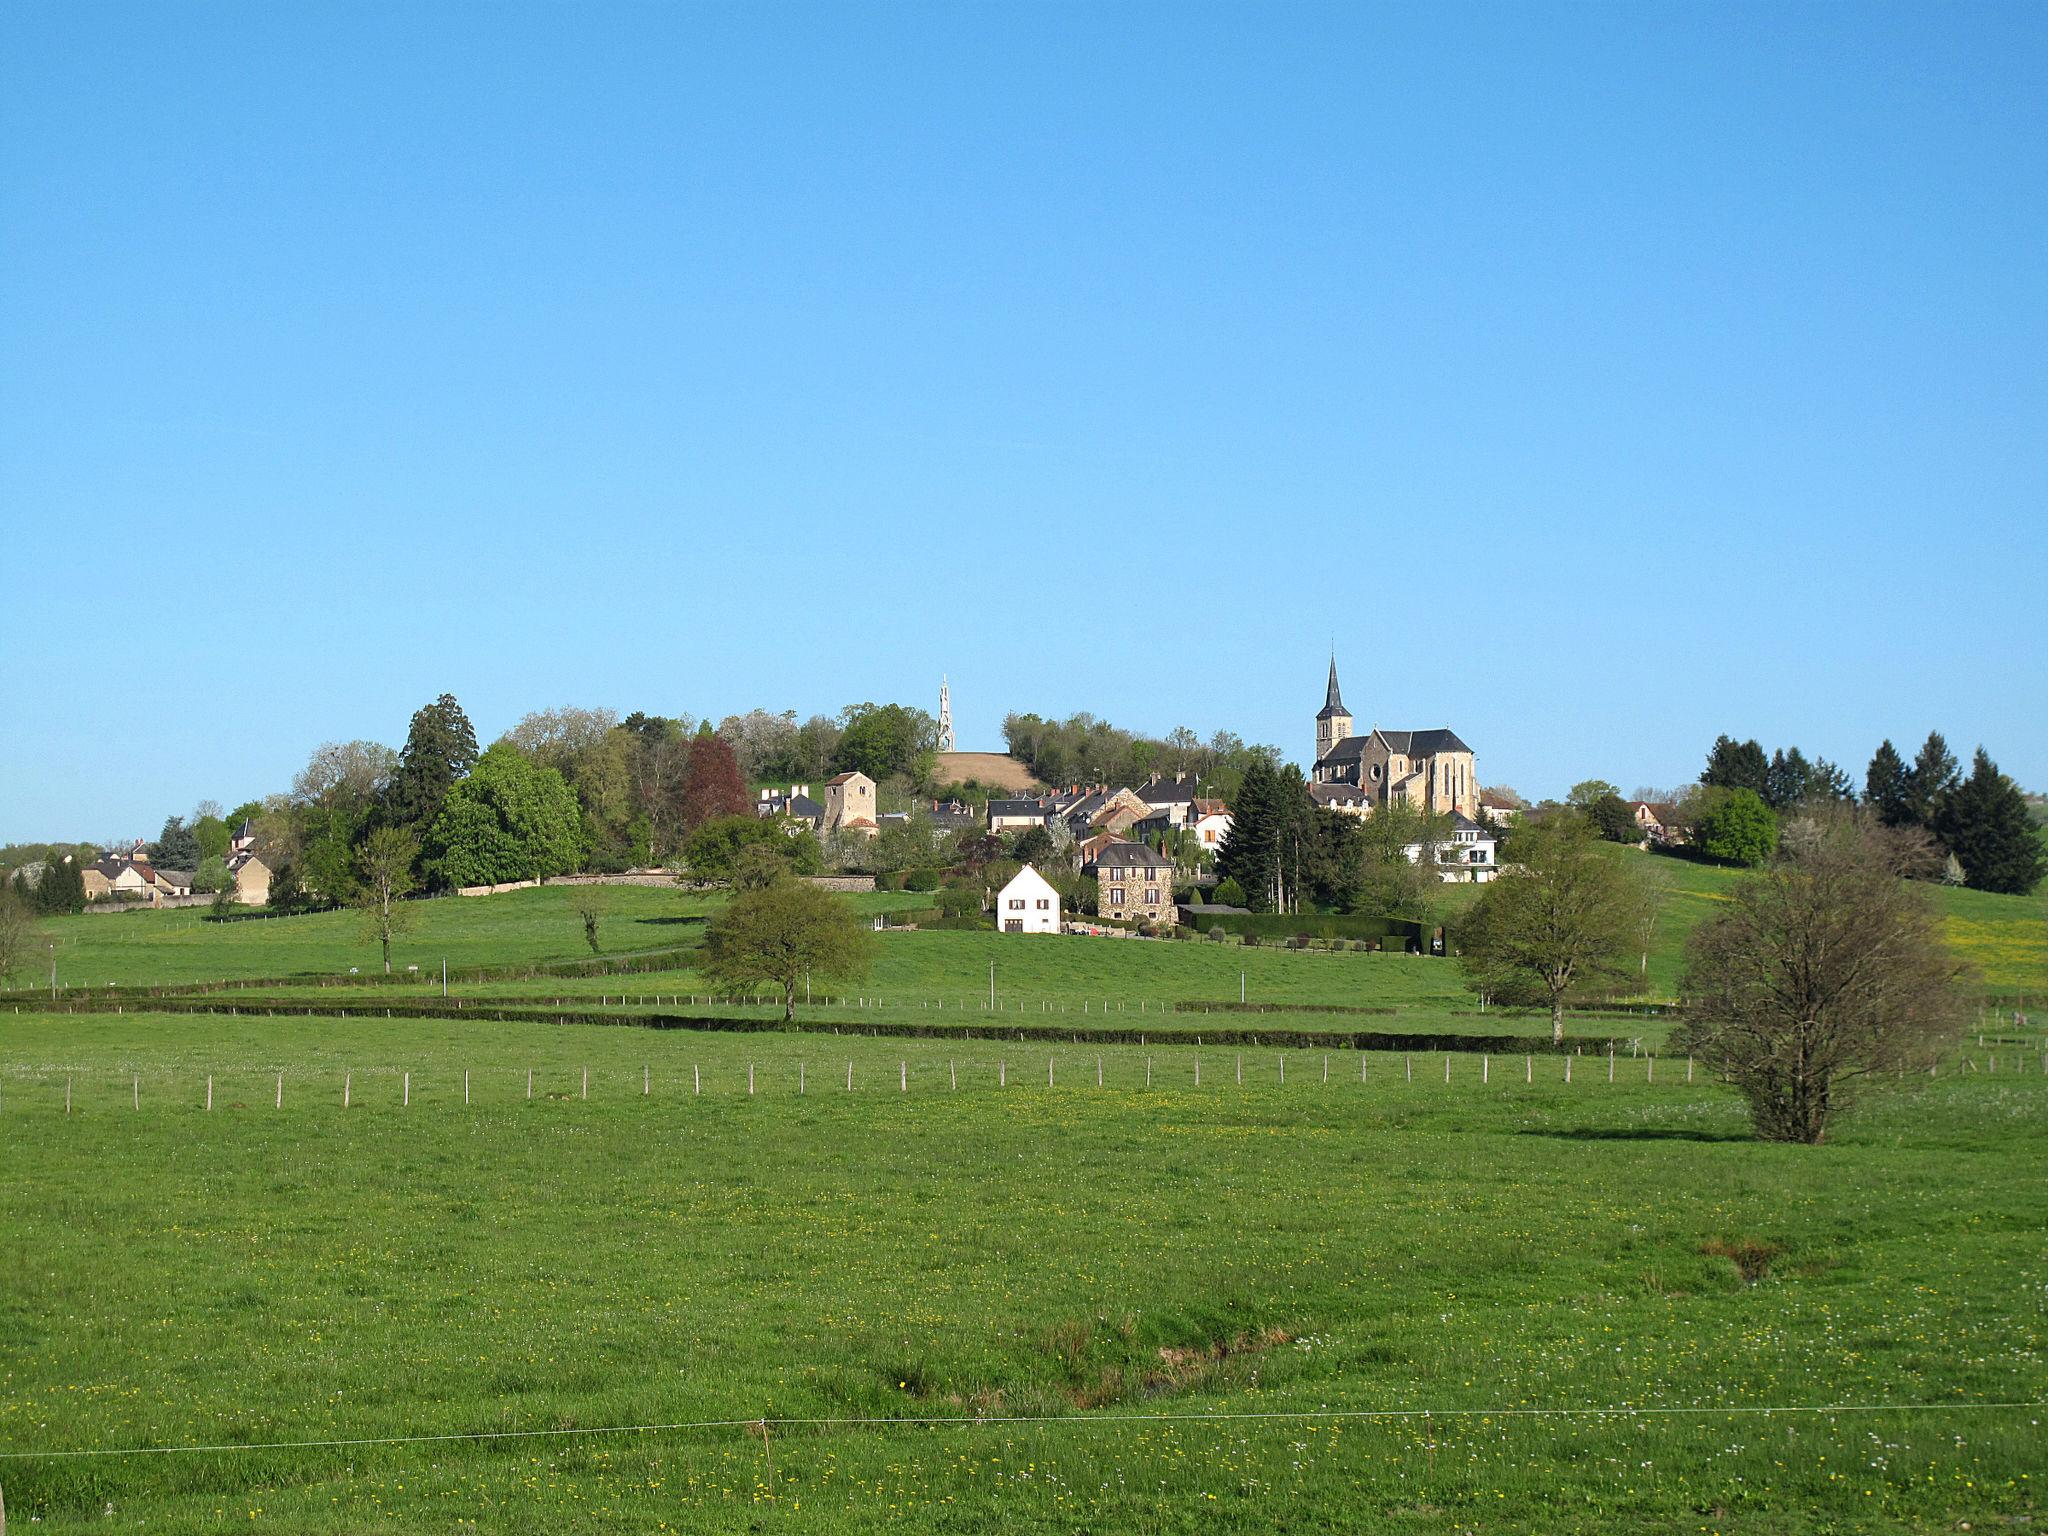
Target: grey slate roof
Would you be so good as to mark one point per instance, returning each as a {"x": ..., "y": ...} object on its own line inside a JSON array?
[
  {"x": 1333, "y": 701},
  {"x": 1131, "y": 856},
  {"x": 1169, "y": 792},
  {"x": 1015, "y": 808},
  {"x": 1408, "y": 743}
]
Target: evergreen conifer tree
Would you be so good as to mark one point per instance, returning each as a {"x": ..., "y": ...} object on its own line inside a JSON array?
[
  {"x": 1888, "y": 787},
  {"x": 1933, "y": 775},
  {"x": 1985, "y": 824},
  {"x": 440, "y": 748},
  {"x": 1736, "y": 764}
]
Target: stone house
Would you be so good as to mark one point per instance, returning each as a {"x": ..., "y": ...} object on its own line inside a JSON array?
[
  {"x": 850, "y": 805},
  {"x": 1135, "y": 883}
]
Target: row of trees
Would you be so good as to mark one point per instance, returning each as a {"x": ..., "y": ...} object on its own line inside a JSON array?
[
  {"x": 1981, "y": 822},
  {"x": 1979, "y": 826},
  {"x": 1083, "y": 749}
]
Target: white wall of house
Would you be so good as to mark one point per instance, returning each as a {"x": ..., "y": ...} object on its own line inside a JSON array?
[
  {"x": 1028, "y": 904},
  {"x": 1212, "y": 829}
]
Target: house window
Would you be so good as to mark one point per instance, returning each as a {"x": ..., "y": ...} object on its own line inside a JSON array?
[
  {"x": 1016, "y": 903},
  {"x": 1151, "y": 897},
  {"x": 1044, "y": 905},
  {"x": 1116, "y": 894}
]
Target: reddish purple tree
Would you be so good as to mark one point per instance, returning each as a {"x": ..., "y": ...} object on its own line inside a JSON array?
[{"x": 712, "y": 785}]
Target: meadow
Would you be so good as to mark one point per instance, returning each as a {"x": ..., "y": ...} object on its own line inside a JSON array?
[
  {"x": 691, "y": 1279},
  {"x": 1249, "y": 1305}
]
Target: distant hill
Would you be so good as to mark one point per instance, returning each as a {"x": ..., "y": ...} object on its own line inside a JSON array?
[{"x": 998, "y": 770}]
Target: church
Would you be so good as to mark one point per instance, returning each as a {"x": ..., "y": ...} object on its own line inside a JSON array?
[{"x": 1430, "y": 770}]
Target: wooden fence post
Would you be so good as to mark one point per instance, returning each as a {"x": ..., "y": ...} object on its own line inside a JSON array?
[
  {"x": 136, "y": 1085},
  {"x": 952, "y": 1076},
  {"x": 903, "y": 1077},
  {"x": 209, "y": 1092},
  {"x": 646, "y": 1082},
  {"x": 529, "y": 1084},
  {"x": 586, "y": 1082},
  {"x": 280, "y": 1090},
  {"x": 1528, "y": 1069},
  {"x": 750, "y": 1079},
  {"x": 347, "y": 1081}
]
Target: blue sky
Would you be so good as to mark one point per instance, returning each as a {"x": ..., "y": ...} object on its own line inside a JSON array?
[{"x": 1599, "y": 377}]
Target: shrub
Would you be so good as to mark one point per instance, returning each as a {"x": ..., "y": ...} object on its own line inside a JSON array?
[
  {"x": 1228, "y": 893},
  {"x": 921, "y": 880}
]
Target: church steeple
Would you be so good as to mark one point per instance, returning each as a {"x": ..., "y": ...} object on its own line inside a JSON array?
[{"x": 1333, "y": 720}]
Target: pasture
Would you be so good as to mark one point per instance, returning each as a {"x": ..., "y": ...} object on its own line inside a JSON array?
[
  {"x": 1033, "y": 1307},
  {"x": 513, "y": 1275}
]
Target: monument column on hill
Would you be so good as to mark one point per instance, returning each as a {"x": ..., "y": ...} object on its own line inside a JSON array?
[{"x": 946, "y": 742}]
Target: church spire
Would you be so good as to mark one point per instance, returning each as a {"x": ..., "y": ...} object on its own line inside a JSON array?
[{"x": 1333, "y": 701}]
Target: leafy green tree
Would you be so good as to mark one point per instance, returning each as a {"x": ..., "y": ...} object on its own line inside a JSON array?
[
  {"x": 210, "y": 835},
  {"x": 1888, "y": 787},
  {"x": 1823, "y": 969},
  {"x": 1613, "y": 820},
  {"x": 1589, "y": 793},
  {"x": 1033, "y": 845},
  {"x": 1228, "y": 893},
  {"x": 440, "y": 749},
  {"x": 211, "y": 875},
  {"x": 1985, "y": 824},
  {"x": 883, "y": 740},
  {"x": 1738, "y": 827},
  {"x": 785, "y": 934},
  {"x": 1390, "y": 883},
  {"x": 1564, "y": 914},
  {"x": 714, "y": 851},
  {"x": 1736, "y": 765},
  {"x": 511, "y": 819},
  {"x": 287, "y": 890},
  {"x": 383, "y": 879},
  {"x": 1933, "y": 777}
]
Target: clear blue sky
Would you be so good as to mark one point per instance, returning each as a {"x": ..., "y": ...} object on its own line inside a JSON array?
[{"x": 1600, "y": 377}]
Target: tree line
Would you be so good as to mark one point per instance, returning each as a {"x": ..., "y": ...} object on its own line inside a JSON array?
[
  {"x": 1974, "y": 829},
  {"x": 1083, "y": 749}
]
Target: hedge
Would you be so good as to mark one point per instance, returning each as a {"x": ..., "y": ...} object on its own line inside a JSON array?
[{"x": 1316, "y": 925}]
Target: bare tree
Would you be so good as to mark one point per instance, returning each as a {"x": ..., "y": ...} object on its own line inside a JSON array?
[
  {"x": 18, "y": 934},
  {"x": 384, "y": 876},
  {"x": 1822, "y": 969}
]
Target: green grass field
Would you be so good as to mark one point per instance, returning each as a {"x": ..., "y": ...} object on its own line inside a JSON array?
[
  {"x": 1101, "y": 1275},
  {"x": 998, "y": 1284}
]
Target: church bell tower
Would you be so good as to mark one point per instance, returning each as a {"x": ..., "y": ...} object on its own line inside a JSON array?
[{"x": 1333, "y": 720}]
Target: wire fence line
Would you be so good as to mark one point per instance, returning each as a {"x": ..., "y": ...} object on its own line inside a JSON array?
[
  {"x": 1063, "y": 1421},
  {"x": 1113, "y": 1071}
]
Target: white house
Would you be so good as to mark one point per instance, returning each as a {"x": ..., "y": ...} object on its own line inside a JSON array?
[
  {"x": 1469, "y": 858},
  {"x": 1028, "y": 904},
  {"x": 1211, "y": 824}
]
